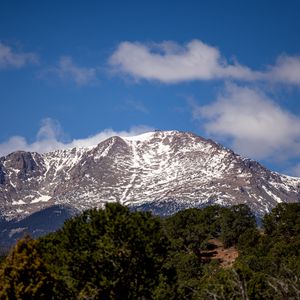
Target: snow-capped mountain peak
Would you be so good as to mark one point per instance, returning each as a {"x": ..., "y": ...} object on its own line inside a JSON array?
[{"x": 162, "y": 170}]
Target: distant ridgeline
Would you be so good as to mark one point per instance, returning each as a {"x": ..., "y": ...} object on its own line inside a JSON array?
[
  {"x": 117, "y": 253},
  {"x": 163, "y": 171},
  {"x": 37, "y": 224}
]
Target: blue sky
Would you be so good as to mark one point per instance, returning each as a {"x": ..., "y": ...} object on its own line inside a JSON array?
[{"x": 75, "y": 72}]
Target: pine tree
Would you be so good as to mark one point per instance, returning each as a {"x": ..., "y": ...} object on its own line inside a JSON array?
[{"x": 23, "y": 275}]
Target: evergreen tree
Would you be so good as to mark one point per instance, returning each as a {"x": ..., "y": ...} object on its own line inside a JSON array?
[
  {"x": 109, "y": 254},
  {"x": 23, "y": 274},
  {"x": 234, "y": 222}
]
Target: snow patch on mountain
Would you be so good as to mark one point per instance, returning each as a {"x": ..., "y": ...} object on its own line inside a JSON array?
[{"x": 164, "y": 170}]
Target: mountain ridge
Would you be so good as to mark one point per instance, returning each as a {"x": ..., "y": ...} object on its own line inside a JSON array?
[{"x": 162, "y": 171}]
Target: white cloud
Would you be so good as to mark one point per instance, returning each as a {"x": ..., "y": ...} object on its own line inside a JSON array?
[
  {"x": 50, "y": 138},
  {"x": 254, "y": 124},
  {"x": 12, "y": 59},
  {"x": 68, "y": 70},
  {"x": 296, "y": 170},
  {"x": 137, "y": 105},
  {"x": 133, "y": 105},
  {"x": 286, "y": 70},
  {"x": 170, "y": 62}
]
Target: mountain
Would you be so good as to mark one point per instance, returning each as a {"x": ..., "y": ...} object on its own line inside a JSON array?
[
  {"x": 39, "y": 223},
  {"x": 162, "y": 171}
]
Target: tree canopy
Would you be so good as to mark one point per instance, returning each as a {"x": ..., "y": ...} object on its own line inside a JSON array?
[{"x": 115, "y": 253}]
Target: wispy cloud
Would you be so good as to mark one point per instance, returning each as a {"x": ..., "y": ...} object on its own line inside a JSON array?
[
  {"x": 9, "y": 58},
  {"x": 296, "y": 170},
  {"x": 285, "y": 70},
  {"x": 170, "y": 62},
  {"x": 252, "y": 123},
  {"x": 137, "y": 105},
  {"x": 67, "y": 70},
  {"x": 133, "y": 105},
  {"x": 50, "y": 137}
]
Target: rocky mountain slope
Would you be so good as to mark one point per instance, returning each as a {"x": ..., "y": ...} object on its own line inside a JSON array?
[
  {"x": 163, "y": 171},
  {"x": 153, "y": 168}
]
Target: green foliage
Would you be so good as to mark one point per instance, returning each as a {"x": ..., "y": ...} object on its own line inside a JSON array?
[
  {"x": 23, "y": 274},
  {"x": 234, "y": 222},
  {"x": 273, "y": 257},
  {"x": 118, "y": 254},
  {"x": 284, "y": 220},
  {"x": 189, "y": 229},
  {"x": 109, "y": 254},
  {"x": 189, "y": 232},
  {"x": 248, "y": 239}
]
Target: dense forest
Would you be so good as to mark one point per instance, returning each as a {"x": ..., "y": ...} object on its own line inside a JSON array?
[{"x": 116, "y": 253}]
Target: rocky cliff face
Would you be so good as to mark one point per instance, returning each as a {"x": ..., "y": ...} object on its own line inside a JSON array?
[{"x": 163, "y": 171}]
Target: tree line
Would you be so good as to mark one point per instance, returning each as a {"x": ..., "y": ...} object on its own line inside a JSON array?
[{"x": 115, "y": 253}]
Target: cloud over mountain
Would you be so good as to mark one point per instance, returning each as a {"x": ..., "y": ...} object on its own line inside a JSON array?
[
  {"x": 253, "y": 123},
  {"x": 50, "y": 137}
]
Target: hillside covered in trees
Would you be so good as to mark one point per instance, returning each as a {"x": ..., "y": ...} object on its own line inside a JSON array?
[{"x": 116, "y": 253}]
